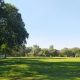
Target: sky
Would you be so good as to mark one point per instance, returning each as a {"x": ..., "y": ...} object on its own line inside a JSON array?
[{"x": 51, "y": 22}]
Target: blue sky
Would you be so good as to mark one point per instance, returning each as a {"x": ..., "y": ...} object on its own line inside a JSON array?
[{"x": 51, "y": 22}]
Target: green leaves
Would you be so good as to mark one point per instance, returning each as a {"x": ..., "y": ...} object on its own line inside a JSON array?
[{"x": 12, "y": 28}]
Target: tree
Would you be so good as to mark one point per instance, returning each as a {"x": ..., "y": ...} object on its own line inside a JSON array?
[
  {"x": 76, "y": 52},
  {"x": 45, "y": 52},
  {"x": 35, "y": 50},
  {"x": 1, "y": 3},
  {"x": 12, "y": 27},
  {"x": 28, "y": 51},
  {"x": 67, "y": 52},
  {"x": 51, "y": 47}
]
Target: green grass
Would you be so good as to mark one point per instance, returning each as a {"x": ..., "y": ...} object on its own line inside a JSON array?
[{"x": 40, "y": 69}]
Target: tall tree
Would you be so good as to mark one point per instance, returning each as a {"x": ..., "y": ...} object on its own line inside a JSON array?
[{"x": 12, "y": 27}]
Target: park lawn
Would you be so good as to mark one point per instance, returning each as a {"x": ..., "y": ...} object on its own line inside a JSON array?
[{"x": 40, "y": 68}]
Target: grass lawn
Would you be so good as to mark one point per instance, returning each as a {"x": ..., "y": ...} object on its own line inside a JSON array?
[{"x": 40, "y": 69}]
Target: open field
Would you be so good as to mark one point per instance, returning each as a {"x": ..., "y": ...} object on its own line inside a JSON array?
[{"x": 40, "y": 69}]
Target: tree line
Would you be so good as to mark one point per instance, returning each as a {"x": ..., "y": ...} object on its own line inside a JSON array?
[
  {"x": 52, "y": 52},
  {"x": 35, "y": 50}
]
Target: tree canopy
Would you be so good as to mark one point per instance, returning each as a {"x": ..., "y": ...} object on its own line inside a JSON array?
[{"x": 12, "y": 27}]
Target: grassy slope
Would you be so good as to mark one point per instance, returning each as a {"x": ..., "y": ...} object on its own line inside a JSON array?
[{"x": 40, "y": 69}]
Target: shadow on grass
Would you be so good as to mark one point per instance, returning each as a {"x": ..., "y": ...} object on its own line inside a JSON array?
[{"x": 32, "y": 69}]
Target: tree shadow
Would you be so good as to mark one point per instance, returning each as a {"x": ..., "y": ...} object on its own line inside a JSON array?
[{"x": 32, "y": 69}]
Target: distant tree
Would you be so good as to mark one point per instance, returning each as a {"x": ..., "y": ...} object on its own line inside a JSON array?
[
  {"x": 76, "y": 52},
  {"x": 22, "y": 50},
  {"x": 46, "y": 52},
  {"x": 12, "y": 28},
  {"x": 28, "y": 51},
  {"x": 56, "y": 53},
  {"x": 67, "y": 52},
  {"x": 50, "y": 50},
  {"x": 35, "y": 50},
  {"x": 53, "y": 52},
  {"x": 51, "y": 47}
]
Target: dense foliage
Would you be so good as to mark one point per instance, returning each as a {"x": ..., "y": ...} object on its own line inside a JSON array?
[
  {"x": 12, "y": 28},
  {"x": 35, "y": 51},
  {"x": 51, "y": 52}
]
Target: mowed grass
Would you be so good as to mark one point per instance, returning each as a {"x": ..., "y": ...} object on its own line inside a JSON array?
[{"x": 40, "y": 69}]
